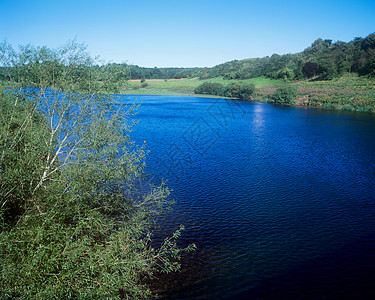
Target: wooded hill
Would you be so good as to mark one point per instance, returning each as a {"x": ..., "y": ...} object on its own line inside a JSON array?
[{"x": 324, "y": 60}]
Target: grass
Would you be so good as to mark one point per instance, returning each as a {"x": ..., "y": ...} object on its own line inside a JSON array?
[
  {"x": 186, "y": 86},
  {"x": 354, "y": 93}
]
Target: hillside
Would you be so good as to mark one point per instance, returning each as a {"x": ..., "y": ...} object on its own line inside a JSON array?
[
  {"x": 323, "y": 60},
  {"x": 326, "y": 74}
]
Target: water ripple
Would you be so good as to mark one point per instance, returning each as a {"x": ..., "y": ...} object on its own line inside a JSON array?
[{"x": 280, "y": 201}]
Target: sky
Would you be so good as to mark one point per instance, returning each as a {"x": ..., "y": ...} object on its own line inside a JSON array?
[{"x": 184, "y": 33}]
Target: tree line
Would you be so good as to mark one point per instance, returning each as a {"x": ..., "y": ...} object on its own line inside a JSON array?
[
  {"x": 323, "y": 60},
  {"x": 137, "y": 72}
]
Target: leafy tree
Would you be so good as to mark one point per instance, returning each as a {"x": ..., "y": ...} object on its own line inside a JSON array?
[
  {"x": 310, "y": 69},
  {"x": 247, "y": 91},
  {"x": 240, "y": 90},
  {"x": 368, "y": 42},
  {"x": 72, "y": 222},
  {"x": 233, "y": 90},
  {"x": 318, "y": 45},
  {"x": 284, "y": 95},
  {"x": 286, "y": 74},
  {"x": 210, "y": 88}
]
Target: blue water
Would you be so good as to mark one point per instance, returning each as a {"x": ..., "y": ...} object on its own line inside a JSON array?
[{"x": 279, "y": 200}]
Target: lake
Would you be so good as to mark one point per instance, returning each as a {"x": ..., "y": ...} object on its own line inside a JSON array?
[{"x": 279, "y": 200}]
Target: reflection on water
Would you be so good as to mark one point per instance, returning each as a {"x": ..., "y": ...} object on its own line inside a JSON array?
[{"x": 280, "y": 201}]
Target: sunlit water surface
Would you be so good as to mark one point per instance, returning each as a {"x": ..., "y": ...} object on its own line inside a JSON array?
[{"x": 279, "y": 200}]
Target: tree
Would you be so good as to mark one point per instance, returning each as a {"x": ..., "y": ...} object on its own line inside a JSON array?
[
  {"x": 309, "y": 69},
  {"x": 368, "y": 42},
  {"x": 284, "y": 95},
  {"x": 210, "y": 88},
  {"x": 318, "y": 45},
  {"x": 240, "y": 90},
  {"x": 73, "y": 222},
  {"x": 286, "y": 74},
  {"x": 234, "y": 90}
]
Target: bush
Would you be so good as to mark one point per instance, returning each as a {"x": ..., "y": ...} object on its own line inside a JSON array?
[
  {"x": 233, "y": 90},
  {"x": 285, "y": 94},
  {"x": 240, "y": 90},
  {"x": 72, "y": 223},
  {"x": 210, "y": 88}
]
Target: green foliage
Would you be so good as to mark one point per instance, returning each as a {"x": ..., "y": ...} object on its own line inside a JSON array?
[
  {"x": 137, "y": 72},
  {"x": 72, "y": 222},
  {"x": 234, "y": 90},
  {"x": 310, "y": 69},
  {"x": 284, "y": 95},
  {"x": 210, "y": 88},
  {"x": 368, "y": 42},
  {"x": 286, "y": 74},
  {"x": 332, "y": 61},
  {"x": 22, "y": 153},
  {"x": 355, "y": 93},
  {"x": 240, "y": 90}
]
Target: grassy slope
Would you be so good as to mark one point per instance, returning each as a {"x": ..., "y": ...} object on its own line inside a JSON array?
[{"x": 354, "y": 93}]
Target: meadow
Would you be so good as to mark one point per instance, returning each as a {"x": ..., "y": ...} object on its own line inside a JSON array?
[
  {"x": 345, "y": 93},
  {"x": 186, "y": 86}
]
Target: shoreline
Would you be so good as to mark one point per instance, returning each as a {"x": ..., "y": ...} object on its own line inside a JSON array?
[
  {"x": 342, "y": 94},
  {"x": 256, "y": 100}
]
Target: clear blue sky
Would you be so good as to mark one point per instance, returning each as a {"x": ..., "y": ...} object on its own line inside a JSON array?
[{"x": 184, "y": 33}]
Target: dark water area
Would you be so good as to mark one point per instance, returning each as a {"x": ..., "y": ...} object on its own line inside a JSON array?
[{"x": 279, "y": 200}]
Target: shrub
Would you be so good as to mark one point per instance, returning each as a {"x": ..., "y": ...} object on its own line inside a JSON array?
[
  {"x": 285, "y": 94},
  {"x": 210, "y": 88},
  {"x": 240, "y": 90},
  {"x": 234, "y": 90},
  {"x": 72, "y": 223}
]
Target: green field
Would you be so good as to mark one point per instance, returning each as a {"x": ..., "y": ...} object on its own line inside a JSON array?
[
  {"x": 186, "y": 86},
  {"x": 354, "y": 93}
]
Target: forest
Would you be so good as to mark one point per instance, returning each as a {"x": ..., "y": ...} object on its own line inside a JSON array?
[{"x": 323, "y": 60}]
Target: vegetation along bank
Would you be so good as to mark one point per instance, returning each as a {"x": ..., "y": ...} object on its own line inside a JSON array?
[
  {"x": 327, "y": 74},
  {"x": 72, "y": 220}
]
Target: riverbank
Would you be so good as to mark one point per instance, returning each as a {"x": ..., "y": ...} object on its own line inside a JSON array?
[{"x": 346, "y": 93}]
